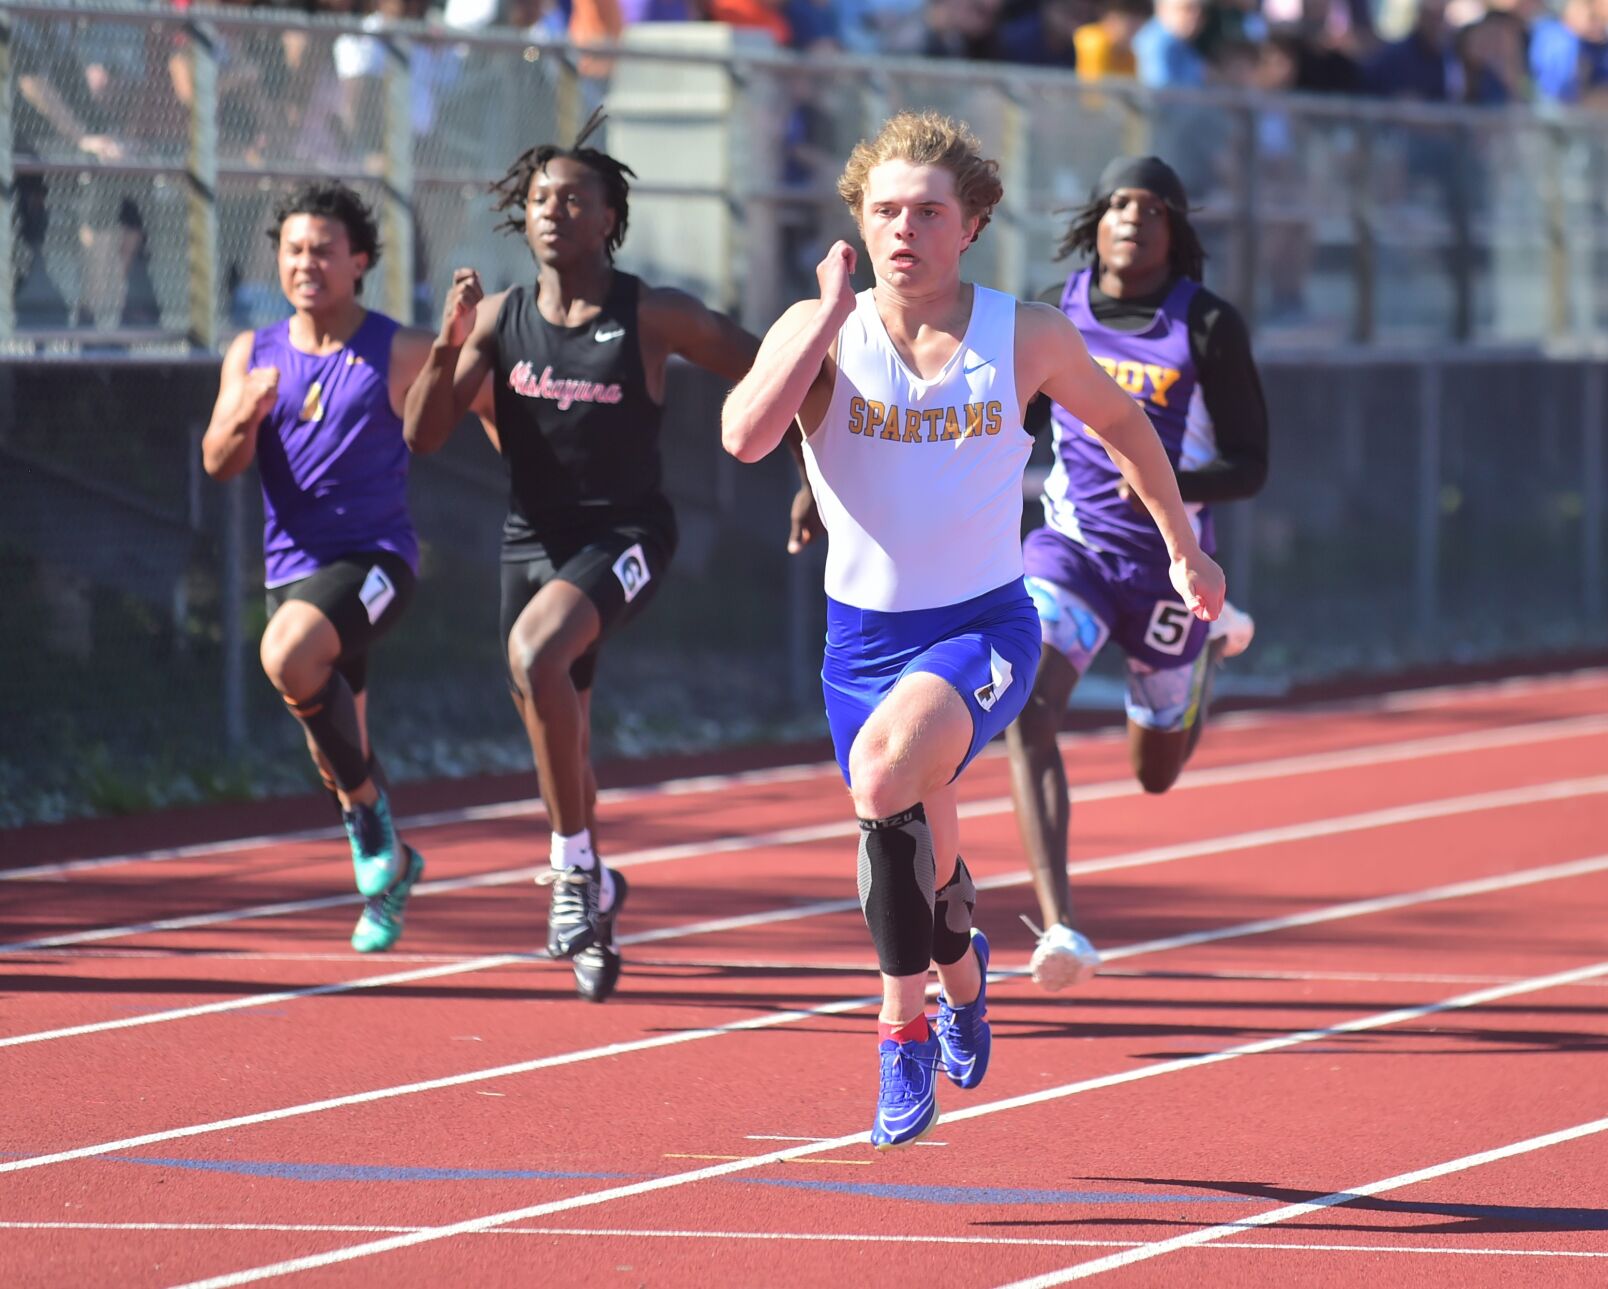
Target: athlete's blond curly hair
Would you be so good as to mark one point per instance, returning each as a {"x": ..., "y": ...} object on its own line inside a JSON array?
[{"x": 927, "y": 139}]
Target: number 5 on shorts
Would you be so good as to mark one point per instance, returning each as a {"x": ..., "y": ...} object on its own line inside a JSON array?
[{"x": 1168, "y": 631}]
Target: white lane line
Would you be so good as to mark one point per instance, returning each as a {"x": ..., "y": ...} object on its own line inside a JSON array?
[
  {"x": 1219, "y": 845},
  {"x": 825, "y": 1237},
  {"x": 766, "y": 1021},
  {"x": 1211, "y": 1234},
  {"x": 1357, "y": 908},
  {"x": 675, "y": 1180},
  {"x": 1277, "y": 767},
  {"x": 229, "y": 955},
  {"x": 1440, "y": 808}
]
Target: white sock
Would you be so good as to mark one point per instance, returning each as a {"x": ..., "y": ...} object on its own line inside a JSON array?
[{"x": 574, "y": 851}]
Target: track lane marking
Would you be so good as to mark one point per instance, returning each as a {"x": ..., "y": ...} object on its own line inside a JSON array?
[
  {"x": 1457, "y": 890},
  {"x": 1206, "y": 847},
  {"x": 591, "y": 1199},
  {"x": 1222, "y": 1231},
  {"x": 1501, "y": 736},
  {"x": 1503, "y": 798}
]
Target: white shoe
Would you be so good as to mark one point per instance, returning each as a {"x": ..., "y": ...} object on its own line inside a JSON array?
[
  {"x": 1063, "y": 958},
  {"x": 1235, "y": 628}
]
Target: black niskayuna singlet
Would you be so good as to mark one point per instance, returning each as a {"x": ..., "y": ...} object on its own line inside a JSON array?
[{"x": 579, "y": 430}]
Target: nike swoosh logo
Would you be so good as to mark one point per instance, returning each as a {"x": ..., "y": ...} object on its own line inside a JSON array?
[
  {"x": 602, "y": 336},
  {"x": 987, "y": 362}
]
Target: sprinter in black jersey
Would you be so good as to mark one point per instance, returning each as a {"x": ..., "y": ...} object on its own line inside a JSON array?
[{"x": 568, "y": 378}]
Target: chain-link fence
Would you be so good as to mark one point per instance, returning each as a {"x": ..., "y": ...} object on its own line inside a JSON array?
[{"x": 1436, "y": 502}]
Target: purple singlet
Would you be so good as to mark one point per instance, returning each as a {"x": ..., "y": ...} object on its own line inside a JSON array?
[
  {"x": 1155, "y": 366},
  {"x": 331, "y": 456}
]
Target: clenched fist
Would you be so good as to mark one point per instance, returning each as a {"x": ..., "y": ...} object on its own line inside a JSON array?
[{"x": 458, "y": 318}]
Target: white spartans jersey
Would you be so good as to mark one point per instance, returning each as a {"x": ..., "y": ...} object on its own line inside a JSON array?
[{"x": 919, "y": 482}]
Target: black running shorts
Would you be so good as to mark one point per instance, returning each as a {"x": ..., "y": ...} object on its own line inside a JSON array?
[
  {"x": 619, "y": 568},
  {"x": 363, "y": 595}
]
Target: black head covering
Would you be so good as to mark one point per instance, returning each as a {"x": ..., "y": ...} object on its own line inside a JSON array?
[{"x": 1151, "y": 174}]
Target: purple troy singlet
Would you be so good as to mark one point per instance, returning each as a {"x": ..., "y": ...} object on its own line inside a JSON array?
[
  {"x": 331, "y": 456},
  {"x": 1155, "y": 366}
]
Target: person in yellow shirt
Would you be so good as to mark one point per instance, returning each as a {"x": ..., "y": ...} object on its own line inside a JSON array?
[{"x": 1105, "y": 46}]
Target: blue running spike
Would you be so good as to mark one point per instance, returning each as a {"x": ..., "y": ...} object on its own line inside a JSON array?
[
  {"x": 907, "y": 1099},
  {"x": 963, "y": 1032}
]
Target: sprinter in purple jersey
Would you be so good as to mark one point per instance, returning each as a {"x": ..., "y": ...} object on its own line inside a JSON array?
[
  {"x": 315, "y": 401},
  {"x": 1097, "y": 570},
  {"x": 567, "y": 375}
]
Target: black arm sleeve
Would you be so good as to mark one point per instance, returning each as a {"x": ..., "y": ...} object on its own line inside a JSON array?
[
  {"x": 1232, "y": 392},
  {"x": 1036, "y": 416}
]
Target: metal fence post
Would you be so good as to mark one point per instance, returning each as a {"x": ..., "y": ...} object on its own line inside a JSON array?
[
  {"x": 1461, "y": 251},
  {"x": 8, "y": 187},
  {"x": 396, "y": 202},
  {"x": 1426, "y": 562},
  {"x": 231, "y": 597},
  {"x": 1243, "y": 291},
  {"x": 1557, "y": 233},
  {"x": 1362, "y": 318},
  {"x": 1591, "y": 514},
  {"x": 1014, "y": 160},
  {"x": 201, "y": 200}
]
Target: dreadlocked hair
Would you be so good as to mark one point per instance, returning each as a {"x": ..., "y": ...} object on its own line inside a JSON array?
[
  {"x": 1185, "y": 255},
  {"x": 512, "y": 191}
]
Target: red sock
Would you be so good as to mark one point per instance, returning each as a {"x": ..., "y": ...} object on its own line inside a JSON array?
[{"x": 912, "y": 1031}]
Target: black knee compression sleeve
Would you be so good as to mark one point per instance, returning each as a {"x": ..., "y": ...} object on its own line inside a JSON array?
[
  {"x": 896, "y": 881},
  {"x": 952, "y": 916},
  {"x": 330, "y": 716}
]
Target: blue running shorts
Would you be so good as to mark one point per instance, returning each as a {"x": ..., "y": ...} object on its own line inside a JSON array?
[{"x": 987, "y": 648}]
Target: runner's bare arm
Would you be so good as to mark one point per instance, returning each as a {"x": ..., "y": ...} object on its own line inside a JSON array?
[
  {"x": 410, "y": 350},
  {"x": 1052, "y": 359},
  {"x": 792, "y": 376},
  {"x": 457, "y": 365},
  {"x": 245, "y": 397},
  {"x": 681, "y": 324}
]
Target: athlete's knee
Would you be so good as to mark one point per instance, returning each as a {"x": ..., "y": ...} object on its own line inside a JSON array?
[
  {"x": 880, "y": 778},
  {"x": 1156, "y": 773},
  {"x": 539, "y": 666},
  {"x": 293, "y": 662}
]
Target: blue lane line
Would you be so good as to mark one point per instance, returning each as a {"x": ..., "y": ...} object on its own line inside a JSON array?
[
  {"x": 360, "y": 1172},
  {"x": 993, "y": 1194}
]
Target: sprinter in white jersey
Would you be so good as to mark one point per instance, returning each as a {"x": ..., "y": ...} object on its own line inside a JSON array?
[{"x": 910, "y": 400}]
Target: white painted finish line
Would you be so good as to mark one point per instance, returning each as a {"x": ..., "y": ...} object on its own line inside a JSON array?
[{"x": 591, "y": 1199}]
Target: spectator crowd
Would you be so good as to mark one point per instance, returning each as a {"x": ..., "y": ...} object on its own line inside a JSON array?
[{"x": 87, "y": 92}]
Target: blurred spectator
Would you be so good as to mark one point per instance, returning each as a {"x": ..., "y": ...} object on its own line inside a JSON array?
[
  {"x": 1569, "y": 54},
  {"x": 882, "y": 26},
  {"x": 1045, "y": 36},
  {"x": 360, "y": 64},
  {"x": 75, "y": 85},
  {"x": 1492, "y": 70},
  {"x": 1321, "y": 35},
  {"x": 1105, "y": 46},
  {"x": 38, "y": 300},
  {"x": 1164, "y": 47},
  {"x": 760, "y": 15},
  {"x": 966, "y": 29},
  {"x": 1231, "y": 23},
  {"x": 1419, "y": 66},
  {"x": 817, "y": 25}
]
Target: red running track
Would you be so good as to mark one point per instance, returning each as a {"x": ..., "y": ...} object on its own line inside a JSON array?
[{"x": 1349, "y": 1033}]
